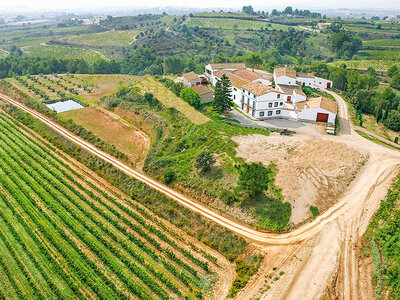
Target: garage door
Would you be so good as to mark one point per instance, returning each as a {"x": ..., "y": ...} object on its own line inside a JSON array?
[{"x": 322, "y": 117}]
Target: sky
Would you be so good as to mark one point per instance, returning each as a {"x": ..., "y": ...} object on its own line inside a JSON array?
[{"x": 257, "y": 4}]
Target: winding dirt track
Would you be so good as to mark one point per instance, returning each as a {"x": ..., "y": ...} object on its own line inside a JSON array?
[
  {"x": 333, "y": 234},
  {"x": 295, "y": 236}
]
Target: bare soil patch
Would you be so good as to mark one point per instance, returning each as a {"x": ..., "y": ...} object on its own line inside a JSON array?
[
  {"x": 126, "y": 138},
  {"x": 311, "y": 171}
]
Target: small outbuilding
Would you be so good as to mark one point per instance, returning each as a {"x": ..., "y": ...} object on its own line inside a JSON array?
[
  {"x": 319, "y": 109},
  {"x": 191, "y": 79},
  {"x": 205, "y": 91}
]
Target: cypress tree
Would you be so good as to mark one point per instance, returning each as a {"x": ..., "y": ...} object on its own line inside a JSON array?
[{"x": 222, "y": 96}]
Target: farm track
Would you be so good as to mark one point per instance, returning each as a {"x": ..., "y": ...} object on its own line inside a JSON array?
[{"x": 349, "y": 217}]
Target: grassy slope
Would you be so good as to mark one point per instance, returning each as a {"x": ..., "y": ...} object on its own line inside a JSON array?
[{"x": 169, "y": 99}]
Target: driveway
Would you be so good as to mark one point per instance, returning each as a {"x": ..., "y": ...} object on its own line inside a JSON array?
[{"x": 295, "y": 125}]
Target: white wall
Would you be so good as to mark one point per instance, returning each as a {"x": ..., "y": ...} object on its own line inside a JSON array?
[
  {"x": 307, "y": 81},
  {"x": 321, "y": 82},
  {"x": 298, "y": 98},
  {"x": 310, "y": 114},
  {"x": 285, "y": 80}
]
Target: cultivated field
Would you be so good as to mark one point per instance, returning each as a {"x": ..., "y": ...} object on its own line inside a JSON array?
[
  {"x": 64, "y": 233},
  {"x": 43, "y": 50},
  {"x": 233, "y": 24},
  {"x": 107, "y": 38},
  {"x": 383, "y": 43}
]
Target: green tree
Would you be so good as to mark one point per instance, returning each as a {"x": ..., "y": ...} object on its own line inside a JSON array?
[
  {"x": 393, "y": 121},
  {"x": 371, "y": 72},
  {"x": 254, "y": 178},
  {"x": 222, "y": 96},
  {"x": 204, "y": 161},
  {"x": 395, "y": 82},
  {"x": 392, "y": 71},
  {"x": 169, "y": 176},
  {"x": 190, "y": 96}
]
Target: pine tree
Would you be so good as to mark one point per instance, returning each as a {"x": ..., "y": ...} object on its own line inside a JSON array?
[{"x": 222, "y": 96}]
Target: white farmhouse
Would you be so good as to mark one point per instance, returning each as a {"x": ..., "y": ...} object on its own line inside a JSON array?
[
  {"x": 285, "y": 76},
  {"x": 309, "y": 79},
  {"x": 254, "y": 76},
  {"x": 191, "y": 79},
  {"x": 292, "y": 93},
  {"x": 261, "y": 101},
  {"x": 212, "y": 69},
  {"x": 237, "y": 83}
]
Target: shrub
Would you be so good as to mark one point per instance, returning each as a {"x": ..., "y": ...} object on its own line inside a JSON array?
[
  {"x": 228, "y": 197},
  {"x": 169, "y": 176},
  {"x": 254, "y": 178},
  {"x": 190, "y": 96},
  {"x": 314, "y": 210},
  {"x": 204, "y": 161}
]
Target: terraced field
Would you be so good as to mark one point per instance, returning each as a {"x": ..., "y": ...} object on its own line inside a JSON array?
[
  {"x": 43, "y": 50},
  {"x": 236, "y": 24},
  {"x": 383, "y": 43},
  {"x": 107, "y": 38},
  {"x": 64, "y": 234}
]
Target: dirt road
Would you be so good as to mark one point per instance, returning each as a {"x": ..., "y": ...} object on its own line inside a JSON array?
[{"x": 348, "y": 218}]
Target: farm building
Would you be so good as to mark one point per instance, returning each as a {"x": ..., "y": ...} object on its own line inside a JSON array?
[
  {"x": 253, "y": 94},
  {"x": 261, "y": 101},
  {"x": 205, "y": 91},
  {"x": 191, "y": 79},
  {"x": 285, "y": 76},
  {"x": 319, "y": 109},
  {"x": 237, "y": 83},
  {"x": 212, "y": 69}
]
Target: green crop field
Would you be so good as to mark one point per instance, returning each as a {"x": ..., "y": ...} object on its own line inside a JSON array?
[
  {"x": 383, "y": 43},
  {"x": 379, "y": 65},
  {"x": 63, "y": 234},
  {"x": 237, "y": 24},
  {"x": 45, "y": 51},
  {"x": 107, "y": 38},
  {"x": 380, "y": 54}
]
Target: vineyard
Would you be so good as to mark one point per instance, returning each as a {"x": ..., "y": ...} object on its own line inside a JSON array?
[
  {"x": 51, "y": 88},
  {"x": 46, "y": 51},
  {"x": 63, "y": 234}
]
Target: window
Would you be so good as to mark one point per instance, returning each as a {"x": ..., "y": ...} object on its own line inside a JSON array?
[
  {"x": 248, "y": 101},
  {"x": 254, "y": 96},
  {"x": 278, "y": 111},
  {"x": 280, "y": 103},
  {"x": 234, "y": 96},
  {"x": 261, "y": 114},
  {"x": 270, "y": 113},
  {"x": 248, "y": 93},
  {"x": 254, "y": 104},
  {"x": 235, "y": 89},
  {"x": 243, "y": 91},
  {"x": 276, "y": 104},
  {"x": 278, "y": 96},
  {"x": 252, "y": 112},
  {"x": 289, "y": 82},
  {"x": 242, "y": 105},
  {"x": 270, "y": 104}
]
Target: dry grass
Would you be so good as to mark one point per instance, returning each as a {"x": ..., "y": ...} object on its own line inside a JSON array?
[
  {"x": 105, "y": 85},
  {"x": 169, "y": 99},
  {"x": 125, "y": 137}
]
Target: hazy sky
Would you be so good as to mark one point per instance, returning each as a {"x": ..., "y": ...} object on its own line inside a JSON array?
[{"x": 73, "y": 4}]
